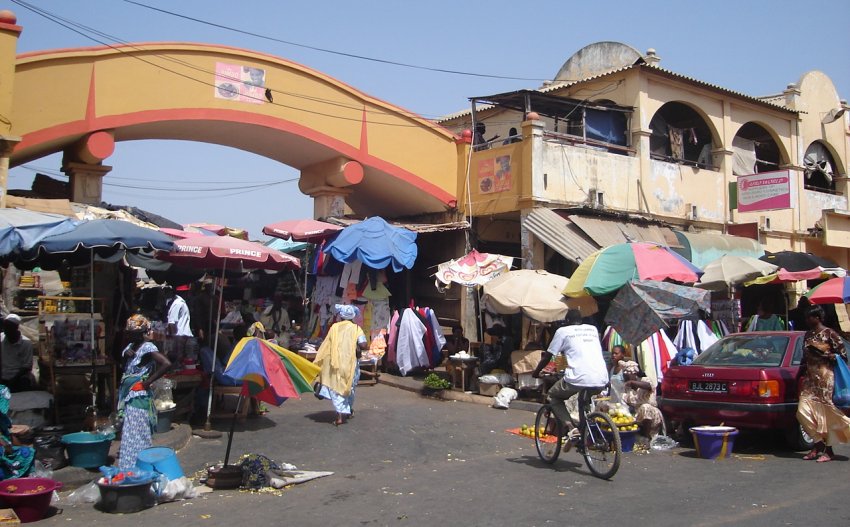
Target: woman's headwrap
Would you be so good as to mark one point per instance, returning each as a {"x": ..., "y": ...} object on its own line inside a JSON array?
[
  {"x": 629, "y": 367},
  {"x": 138, "y": 323},
  {"x": 346, "y": 312}
]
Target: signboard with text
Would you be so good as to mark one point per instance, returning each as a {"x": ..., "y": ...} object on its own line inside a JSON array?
[{"x": 764, "y": 191}]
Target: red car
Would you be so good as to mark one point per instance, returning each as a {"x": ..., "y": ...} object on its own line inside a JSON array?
[{"x": 745, "y": 380}]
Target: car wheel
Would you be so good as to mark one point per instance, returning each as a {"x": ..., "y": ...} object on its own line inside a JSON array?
[{"x": 798, "y": 439}]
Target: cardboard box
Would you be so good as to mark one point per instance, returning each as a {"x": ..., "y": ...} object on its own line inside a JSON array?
[
  {"x": 489, "y": 389},
  {"x": 8, "y": 517}
]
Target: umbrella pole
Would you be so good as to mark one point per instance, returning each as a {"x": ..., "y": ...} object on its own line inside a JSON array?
[
  {"x": 232, "y": 427},
  {"x": 208, "y": 424},
  {"x": 480, "y": 315},
  {"x": 91, "y": 330}
]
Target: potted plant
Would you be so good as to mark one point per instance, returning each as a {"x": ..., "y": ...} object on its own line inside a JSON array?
[{"x": 434, "y": 384}]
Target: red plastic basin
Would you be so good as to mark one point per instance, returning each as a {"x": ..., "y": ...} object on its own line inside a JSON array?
[{"x": 29, "y": 497}]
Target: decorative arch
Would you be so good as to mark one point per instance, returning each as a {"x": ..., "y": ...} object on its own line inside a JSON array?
[
  {"x": 308, "y": 120},
  {"x": 757, "y": 148},
  {"x": 682, "y": 133}
]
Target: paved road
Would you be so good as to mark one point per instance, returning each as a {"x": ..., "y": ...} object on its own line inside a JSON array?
[{"x": 406, "y": 460}]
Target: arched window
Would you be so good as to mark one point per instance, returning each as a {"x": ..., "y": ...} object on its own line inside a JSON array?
[
  {"x": 680, "y": 135},
  {"x": 819, "y": 168},
  {"x": 754, "y": 151}
]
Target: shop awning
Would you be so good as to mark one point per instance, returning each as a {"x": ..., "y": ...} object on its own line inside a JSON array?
[
  {"x": 607, "y": 232},
  {"x": 560, "y": 234},
  {"x": 701, "y": 248}
]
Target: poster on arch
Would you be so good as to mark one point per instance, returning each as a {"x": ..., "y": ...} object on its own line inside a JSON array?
[{"x": 240, "y": 83}]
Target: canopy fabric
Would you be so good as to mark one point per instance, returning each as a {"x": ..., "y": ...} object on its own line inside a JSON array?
[
  {"x": 306, "y": 230},
  {"x": 376, "y": 243},
  {"x": 219, "y": 252},
  {"x": 729, "y": 271},
  {"x": 21, "y": 229},
  {"x": 473, "y": 269},
  {"x": 794, "y": 266},
  {"x": 181, "y": 234},
  {"x": 287, "y": 246},
  {"x": 221, "y": 230},
  {"x": 643, "y": 307},
  {"x": 609, "y": 269},
  {"x": 833, "y": 291},
  {"x": 534, "y": 293},
  {"x": 702, "y": 248},
  {"x": 90, "y": 212},
  {"x": 270, "y": 373}
]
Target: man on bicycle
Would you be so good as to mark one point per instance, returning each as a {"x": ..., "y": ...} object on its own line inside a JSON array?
[{"x": 579, "y": 344}]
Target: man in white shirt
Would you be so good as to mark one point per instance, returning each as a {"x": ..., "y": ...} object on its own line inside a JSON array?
[
  {"x": 579, "y": 344},
  {"x": 15, "y": 356},
  {"x": 179, "y": 328}
]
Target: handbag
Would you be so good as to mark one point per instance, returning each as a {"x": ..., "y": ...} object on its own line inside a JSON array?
[
  {"x": 317, "y": 387},
  {"x": 841, "y": 389}
]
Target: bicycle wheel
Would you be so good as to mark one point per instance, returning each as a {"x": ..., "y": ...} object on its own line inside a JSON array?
[
  {"x": 602, "y": 448},
  {"x": 546, "y": 420}
]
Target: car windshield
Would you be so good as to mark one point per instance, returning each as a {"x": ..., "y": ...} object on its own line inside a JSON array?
[{"x": 745, "y": 350}]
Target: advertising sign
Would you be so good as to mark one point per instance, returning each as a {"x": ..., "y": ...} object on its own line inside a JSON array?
[
  {"x": 240, "y": 83},
  {"x": 764, "y": 191},
  {"x": 494, "y": 175}
]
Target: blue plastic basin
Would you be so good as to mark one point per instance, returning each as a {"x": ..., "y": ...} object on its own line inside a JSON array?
[{"x": 87, "y": 450}]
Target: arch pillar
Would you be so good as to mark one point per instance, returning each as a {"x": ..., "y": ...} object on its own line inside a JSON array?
[
  {"x": 7, "y": 144},
  {"x": 86, "y": 181}
]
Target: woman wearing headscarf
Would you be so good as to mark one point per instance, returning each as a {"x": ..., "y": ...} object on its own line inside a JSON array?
[
  {"x": 338, "y": 358},
  {"x": 15, "y": 461},
  {"x": 639, "y": 394},
  {"x": 143, "y": 365},
  {"x": 816, "y": 412}
]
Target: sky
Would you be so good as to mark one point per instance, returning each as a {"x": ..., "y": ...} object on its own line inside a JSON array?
[{"x": 757, "y": 47}]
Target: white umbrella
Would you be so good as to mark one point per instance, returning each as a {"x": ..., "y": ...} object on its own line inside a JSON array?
[
  {"x": 536, "y": 294},
  {"x": 728, "y": 271}
]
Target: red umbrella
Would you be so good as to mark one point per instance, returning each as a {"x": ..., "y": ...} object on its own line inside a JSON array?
[
  {"x": 179, "y": 233},
  {"x": 210, "y": 252},
  {"x": 312, "y": 231}
]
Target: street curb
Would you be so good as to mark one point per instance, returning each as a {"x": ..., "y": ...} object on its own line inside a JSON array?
[
  {"x": 73, "y": 477},
  {"x": 453, "y": 395}
]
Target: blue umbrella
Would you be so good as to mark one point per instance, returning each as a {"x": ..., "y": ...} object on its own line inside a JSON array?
[
  {"x": 21, "y": 229},
  {"x": 376, "y": 243}
]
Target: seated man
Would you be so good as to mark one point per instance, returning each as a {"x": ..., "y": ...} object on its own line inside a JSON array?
[
  {"x": 579, "y": 344},
  {"x": 16, "y": 354}
]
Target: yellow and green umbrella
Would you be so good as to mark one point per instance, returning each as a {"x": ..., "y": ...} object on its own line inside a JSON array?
[{"x": 269, "y": 372}]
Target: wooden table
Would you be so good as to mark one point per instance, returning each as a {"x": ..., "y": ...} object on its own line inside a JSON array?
[{"x": 465, "y": 367}]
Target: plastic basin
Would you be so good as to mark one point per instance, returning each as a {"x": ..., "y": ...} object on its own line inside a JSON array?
[
  {"x": 160, "y": 459},
  {"x": 714, "y": 442},
  {"x": 132, "y": 497},
  {"x": 163, "y": 421},
  {"x": 627, "y": 439},
  {"x": 87, "y": 450},
  {"x": 28, "y": 497}
]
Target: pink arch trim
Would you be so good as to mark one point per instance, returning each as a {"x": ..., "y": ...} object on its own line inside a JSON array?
[{"x": 74, "y": 129}]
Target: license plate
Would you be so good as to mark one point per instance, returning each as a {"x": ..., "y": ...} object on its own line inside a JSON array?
[{"x": 709, "y": 386}]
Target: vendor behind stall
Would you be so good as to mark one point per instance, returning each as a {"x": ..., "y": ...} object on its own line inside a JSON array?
[
  {"x": 639, "y": 394},
  {"x": 16, "y": 352},
  {"x": 179, "y": 321}
]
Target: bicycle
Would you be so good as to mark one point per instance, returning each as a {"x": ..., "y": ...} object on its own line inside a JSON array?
[{"x": 598, "y": 441}]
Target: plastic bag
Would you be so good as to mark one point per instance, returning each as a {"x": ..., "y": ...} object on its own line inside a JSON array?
[
  {"x": 662, "y": 443},
  {"x": 177, "y": 489},
  {"x": 504, "y": 397},
  {"x": 88, "y": 493},
  {"x": 40, "y": 470}
]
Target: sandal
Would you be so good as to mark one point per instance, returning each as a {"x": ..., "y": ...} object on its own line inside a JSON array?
[
  {"x": 824, "y": 457},
  {"x": 812, "y": 455}
]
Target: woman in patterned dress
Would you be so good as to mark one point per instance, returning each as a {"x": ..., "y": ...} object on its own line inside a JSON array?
[
  {"x": 639, "y": 395},
  {"x": 816, "y": 412},
  {"x": 144, "y": 365}
]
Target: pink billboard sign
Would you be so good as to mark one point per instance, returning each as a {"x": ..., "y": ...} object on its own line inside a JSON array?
[{"x": 764, "y": 191}]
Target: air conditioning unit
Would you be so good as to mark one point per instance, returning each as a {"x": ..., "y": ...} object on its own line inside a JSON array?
[
  {"x": 691, "y": 211},
  {"x": 764, "y": 224},
  {"x": 596, "y": 198}
]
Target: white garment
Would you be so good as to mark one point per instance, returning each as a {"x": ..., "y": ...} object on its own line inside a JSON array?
[
  {"x": 581, "y": 347},
  {"x": 350, "y": 274},
  {"x": 410, "y": 349},
  {"x": 706, "y": 336},
  {"x": 178, "y": 314},
  {"x": 685, "y": 336}
]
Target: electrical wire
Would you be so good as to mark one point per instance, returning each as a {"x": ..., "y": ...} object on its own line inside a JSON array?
[
  {"x": 331, "y": 51},
  {"x": 68, "y": 25},
  {"x": 55, "y": 173}
]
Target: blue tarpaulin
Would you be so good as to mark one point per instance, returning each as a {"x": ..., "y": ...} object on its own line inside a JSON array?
[
  {"x": 376, "y": 243},
  {"x": 21, "y": 229}
]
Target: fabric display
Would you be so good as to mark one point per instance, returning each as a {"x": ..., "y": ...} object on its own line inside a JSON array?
[{"x": 416, "y": 339}]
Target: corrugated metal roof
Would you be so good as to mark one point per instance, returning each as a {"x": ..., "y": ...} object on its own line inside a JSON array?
[
  {"x": 607, "y": 232},
  {"x": 766, "y": 101},
  {"x": 560, "y": 234},
  {"x": 421, "y": 228}
]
